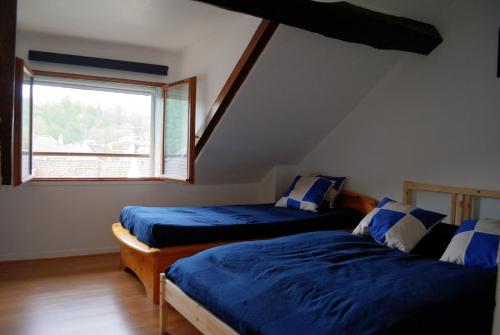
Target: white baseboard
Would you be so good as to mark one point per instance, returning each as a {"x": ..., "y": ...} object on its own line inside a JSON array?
[{"x": 57, "y": 254}]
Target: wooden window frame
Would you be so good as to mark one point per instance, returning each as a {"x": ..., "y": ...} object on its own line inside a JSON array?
[
  {"x": 17, "y": 155},
  {"x": 257, "y": 44},
  {"x": 191, "y": 82},
  {"x": 76, "y": 76},
  {"x": 102, "y": 79}
]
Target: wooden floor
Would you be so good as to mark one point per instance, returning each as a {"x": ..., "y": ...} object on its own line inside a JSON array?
[{"x": 79, "y": 295}]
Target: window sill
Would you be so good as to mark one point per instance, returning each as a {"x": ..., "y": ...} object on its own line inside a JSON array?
[
  {"x": 98, "y": 179},
  {"x": 104, "y": 181}
]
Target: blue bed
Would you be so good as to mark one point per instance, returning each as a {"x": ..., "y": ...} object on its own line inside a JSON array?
[
  {"x": 174, "y": 226},
  {"x": 335, "y": 283}
]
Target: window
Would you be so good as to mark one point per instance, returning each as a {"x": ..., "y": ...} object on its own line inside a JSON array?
[
  {"x": 23, "y": 119},
  {"x": 91, "y": 128},
  {"x": 178, "y": 129}
]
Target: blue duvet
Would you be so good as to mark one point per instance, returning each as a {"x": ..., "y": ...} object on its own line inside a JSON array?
[
  {"x": 336, "y": 283},
  {"x": 170, "y": 226}
]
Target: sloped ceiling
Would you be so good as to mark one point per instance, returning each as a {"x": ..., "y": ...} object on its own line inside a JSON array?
[
  {"x": 168, "y": 25},
  {"x": 344, "y": 21},
  {"x": 301, "y": 88}
]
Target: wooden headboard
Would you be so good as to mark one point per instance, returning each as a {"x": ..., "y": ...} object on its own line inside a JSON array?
[
  {"x": 360, "y": 202},
  {"x": 461, "y": 198}
]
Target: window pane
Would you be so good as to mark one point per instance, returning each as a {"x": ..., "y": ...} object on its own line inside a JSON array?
[
  {"x": 26, "y": 167},
  {"x": 176, "y": 132},
  {"x": 91, "y": 121},
  {"x": 91, "y": 167}
]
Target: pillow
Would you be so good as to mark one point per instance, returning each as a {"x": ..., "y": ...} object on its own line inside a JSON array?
[
  {"x": 334, "y": 192},
  {"x": 434, "y": 243},
  {"x": 398, "y": 225},
  {"x": 305, "y": 193},
  {"x": 476, "y": 242}
]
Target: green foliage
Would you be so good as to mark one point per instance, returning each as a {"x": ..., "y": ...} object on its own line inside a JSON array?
[
  {"x": 74, "y": 122},
  {"x": 63, "y": 119},
  {"x": 176, "y": 136}
]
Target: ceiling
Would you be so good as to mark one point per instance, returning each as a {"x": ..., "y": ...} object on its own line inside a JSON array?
[
  {"x": 300, "y": 90},
  {"x": 170, "y": 25},
  {"x": 321, "y": 81}
]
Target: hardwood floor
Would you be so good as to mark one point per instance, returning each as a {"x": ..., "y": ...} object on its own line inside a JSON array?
[{"x": 78, "y": 295}]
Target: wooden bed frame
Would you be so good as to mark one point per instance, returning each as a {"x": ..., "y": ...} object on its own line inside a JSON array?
[
  {"x": 171, "y": 296},
  {"x": 462, "y": 198},
  {"x": 147, "y": 263}
]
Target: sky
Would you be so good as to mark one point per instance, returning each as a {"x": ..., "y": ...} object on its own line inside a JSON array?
[{"x": 130, "y": 103}]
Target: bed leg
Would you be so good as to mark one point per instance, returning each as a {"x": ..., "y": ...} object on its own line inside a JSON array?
[{"x": 163, "y": 306}]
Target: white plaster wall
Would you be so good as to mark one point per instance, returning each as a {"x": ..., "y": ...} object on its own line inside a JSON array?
[
  {"x": 40, "y": 220},
  {"x": 301, "y": 87},
  {"x": 431, "y": 119},
  {"x": 380, "y": 117},
  {"x": 212, "y": 60},
  {"x": 26, "y": 41},
  {"x": 276, "y": 182}
]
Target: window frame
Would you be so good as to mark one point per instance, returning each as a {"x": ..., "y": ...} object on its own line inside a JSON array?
[
  {"x": 17, "y": 174},
  {"x": 191, "y": 82},
  {"x": 105, "y": 80}
]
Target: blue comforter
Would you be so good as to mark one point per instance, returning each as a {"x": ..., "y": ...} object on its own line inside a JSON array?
[
  {"x": 336, "y": 283},
  {"x": 170, "y": 226}
]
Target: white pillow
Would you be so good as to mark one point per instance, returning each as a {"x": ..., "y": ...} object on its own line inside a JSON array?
[
  {"x": 476, "y": 242},
  {"x": 305, "y": 193},
  {"x": 398, "y": 225}
]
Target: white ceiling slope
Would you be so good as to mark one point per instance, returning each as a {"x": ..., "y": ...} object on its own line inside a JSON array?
[
  {"x": 169, "y": 25},
  {"x": 301, "y": 89}
]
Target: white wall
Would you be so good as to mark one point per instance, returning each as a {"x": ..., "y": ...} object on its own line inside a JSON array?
[
  {"x": 41, "y": 220},
  {"x": 276, "y": 182},
  {"x": 212, "y": 59},
  {"x": 26, "y": 41},
  {"x": 431, "y": 119},
  {"x": 379, "y": 117},
  {"x": 301, "y": 87}
]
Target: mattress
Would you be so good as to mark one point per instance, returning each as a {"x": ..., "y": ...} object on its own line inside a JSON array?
[
  {"x": 336, "y": 283},
  {"x": 173, "y": 226}
]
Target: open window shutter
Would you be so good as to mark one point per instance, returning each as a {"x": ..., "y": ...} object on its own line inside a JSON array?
[
  {"x": 179, "y": 131},
  {"x": 23, "y": 124}
]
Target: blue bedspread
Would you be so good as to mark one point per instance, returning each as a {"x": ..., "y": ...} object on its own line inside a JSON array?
[
  {"x": 336, "y": 283},
  {"x": 170, "y": 226}
]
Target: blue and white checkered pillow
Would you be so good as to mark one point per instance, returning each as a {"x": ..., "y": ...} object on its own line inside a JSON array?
[
  {"x": 334, "y": 192},
  {"x": 398, "y": 225},
  {"x": 305, "y": 193},
  {"x": 476, "y": 242}
]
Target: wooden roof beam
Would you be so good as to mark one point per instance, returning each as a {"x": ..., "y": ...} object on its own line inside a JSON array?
[{"x": 344, "y": 21}]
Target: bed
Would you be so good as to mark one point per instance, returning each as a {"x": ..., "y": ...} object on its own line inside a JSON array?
[
  {"x": 153, "y": 238},
  {"x": 332, "y": 282},
  {"x": 335, "y": 283}
]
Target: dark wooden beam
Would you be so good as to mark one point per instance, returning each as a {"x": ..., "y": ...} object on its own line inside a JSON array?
[
  {"x": 103, "y": 63},
  {"x": 240, "y": 72},
  {"x": 344, "y": 21},
  {"x": 498, "y": 65},
  {"x": 8, "y": 15}
]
